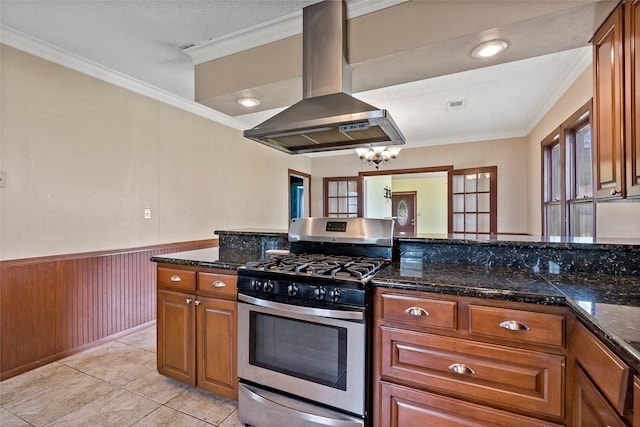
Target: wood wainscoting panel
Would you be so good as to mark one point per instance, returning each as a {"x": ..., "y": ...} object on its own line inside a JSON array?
[{"x": 51, "y": 307}]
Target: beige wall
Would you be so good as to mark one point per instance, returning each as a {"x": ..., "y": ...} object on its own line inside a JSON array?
[
  {"x": 431, "y": 199},
  {"x": 84, "y": 158},
  {"x": 613, "y": 220},
  {"x": 510, "y": 155}
]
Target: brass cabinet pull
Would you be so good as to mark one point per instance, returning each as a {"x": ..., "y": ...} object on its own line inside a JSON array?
[
  {"x": 514, "y": 325},
  {"x": 176, "y": 278},
  {"x": 416, "y": 311},
  {"x": 460, "y": 368},
  {"x": 219, "y": 284}
]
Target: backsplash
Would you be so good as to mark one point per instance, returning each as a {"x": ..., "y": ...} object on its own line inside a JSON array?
[
  {"x": 251, "y": 244},
  {"x": 543, "y": 257}
]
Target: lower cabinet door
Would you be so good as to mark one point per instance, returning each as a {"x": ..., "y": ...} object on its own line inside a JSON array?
[
  {"x": 590, "y": 408},
  {"x": 216, "y": 354},
  {"x": 406, "y": 407},
  {"x": 176, "y": 336}
]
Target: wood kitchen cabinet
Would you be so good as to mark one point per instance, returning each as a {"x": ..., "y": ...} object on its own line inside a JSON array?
[
  {"x": 602, "y": 382},
  {"x": 636, "y": 402},
  {"x": 616, "y": 149},
  {"x": 458, "y": 361},
  {"x": 197, "y": 328}
]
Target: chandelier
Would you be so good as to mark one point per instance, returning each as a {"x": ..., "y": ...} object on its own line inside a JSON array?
[{"x": 377, "y": 155}]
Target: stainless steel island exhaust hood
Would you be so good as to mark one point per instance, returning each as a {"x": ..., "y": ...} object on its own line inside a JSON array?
[{"x": 328, "y": 117}]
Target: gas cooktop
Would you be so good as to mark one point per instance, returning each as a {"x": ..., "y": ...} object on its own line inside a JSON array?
[{"x": 330, "y": 266}]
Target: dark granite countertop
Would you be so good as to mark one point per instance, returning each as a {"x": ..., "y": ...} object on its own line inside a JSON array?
[
  {"x": 208, "y": 258},
  {"x": 609, "y": 305}
]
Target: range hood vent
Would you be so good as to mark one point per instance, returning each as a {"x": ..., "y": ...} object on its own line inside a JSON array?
[{"x": 327, "y": 118}]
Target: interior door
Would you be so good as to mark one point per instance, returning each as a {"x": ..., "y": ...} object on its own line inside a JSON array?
[{"x": 403, "y": 207}]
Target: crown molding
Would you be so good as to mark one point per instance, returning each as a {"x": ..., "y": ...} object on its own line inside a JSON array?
[
  {"x": 272, "y": 31},
  {"x": 25, "y": 43},
  {"x": 580, "y": 64}
]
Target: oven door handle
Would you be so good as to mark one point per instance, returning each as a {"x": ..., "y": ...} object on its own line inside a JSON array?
[{"x": 290, "y": 308}]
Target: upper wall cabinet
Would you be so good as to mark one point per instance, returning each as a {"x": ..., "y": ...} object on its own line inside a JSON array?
[
  {"x": 616, "y": 135},
  {"x": 632, "y": 97}
]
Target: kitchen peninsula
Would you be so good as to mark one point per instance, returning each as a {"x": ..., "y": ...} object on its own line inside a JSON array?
[{"x": 589, "y": 292}]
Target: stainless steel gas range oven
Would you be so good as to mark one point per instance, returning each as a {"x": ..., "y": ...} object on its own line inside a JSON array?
[{"x": 302, "y": 325}]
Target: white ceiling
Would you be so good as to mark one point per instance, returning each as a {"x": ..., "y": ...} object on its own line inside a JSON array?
[{"x": 145, "y": 39}]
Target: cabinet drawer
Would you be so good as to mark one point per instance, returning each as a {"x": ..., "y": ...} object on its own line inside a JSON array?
[
  {"x": 606, "y": 370},
  {"x": 221, "y": 284},
  {"x": 511, "y": 378},
  {"x": 176, "y": 279},
  {"x": 419, "y": 311},
  {"x": 402, "y": 406},
  {"x": 517, "y": 326}
]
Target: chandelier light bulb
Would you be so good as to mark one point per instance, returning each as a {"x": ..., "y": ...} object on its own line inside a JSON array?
[{"x": 377, "y": 155}]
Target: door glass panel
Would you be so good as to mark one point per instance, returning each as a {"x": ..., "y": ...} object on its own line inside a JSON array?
[
  {"x": 458, "y": 222},
  {"x": 458, "y": 184},
  {"x": 458, "y": 203},
  {"x": 470, "y": 222},
  {"x": 310, "y": 351},
  {"x": 352, "y": 188},
  {"x": 470, "y": 203},
  {"x": 483, "y": 203},
  {"x": 470, "y": 183},
  {"x": 483, "y": 223},
  {"x": 484, "y": 182}
]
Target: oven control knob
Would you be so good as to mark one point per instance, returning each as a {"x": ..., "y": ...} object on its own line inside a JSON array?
[
  {"x": 335, "y": 294},
  {"x": 268, "y": 286},
  {"x": 256, "y": 285},
  {"x": 319, "y": 292},
  {"x": 292, "y": 290}
]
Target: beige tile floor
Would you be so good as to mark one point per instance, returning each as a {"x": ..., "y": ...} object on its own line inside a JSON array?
[{"x": 114, "y": 384}]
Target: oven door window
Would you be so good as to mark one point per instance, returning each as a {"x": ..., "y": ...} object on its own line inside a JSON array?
[{"x": 310, "y": 351}]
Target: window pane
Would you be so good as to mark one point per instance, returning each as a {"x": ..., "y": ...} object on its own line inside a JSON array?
[
  {"x": 483, "y": 181},
  {"x": 333, "y": 205},
  {"x": 342, "y": 205},
  {"x": 483, "y": 223},
  {"x": 458, "y": 184},
  {"x": 470, "y": 183},
  {"x": 458, "y": 203},
  {"x": 582, "y": 219},
  {"x": 353, "y": 188},
  {"x": 553, "y": 220},
  {"x": 470, "y": 202},
  {"x": 483, "y": 203},
  {"x": 555, "y": 173},
  {"x": 353, "y": 205},
  {"x": 583, "y": 163},
  {"x": 333, "y": 188},
  {"x": 342, "y": 188}
]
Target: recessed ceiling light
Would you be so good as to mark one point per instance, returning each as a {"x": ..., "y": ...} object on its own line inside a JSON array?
[
  {"x": 248, "y": 102},
  {"x": 489, "y": 48}
]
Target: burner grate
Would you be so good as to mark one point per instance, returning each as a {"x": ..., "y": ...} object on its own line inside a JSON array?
[{"x": 320, "y": 265}]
